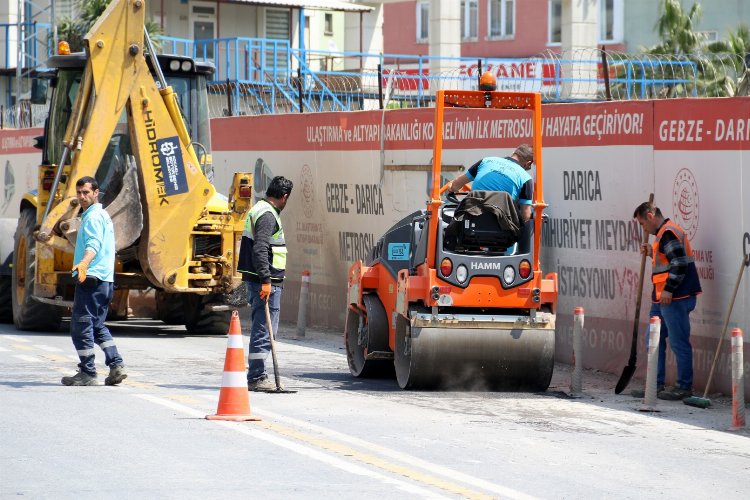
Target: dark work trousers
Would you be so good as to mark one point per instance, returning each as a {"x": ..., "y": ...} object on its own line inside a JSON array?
[
  {"x": 260, "y": 342},
  {"x": 87, "y": 327},
  {"x": 675, "y": 327}
]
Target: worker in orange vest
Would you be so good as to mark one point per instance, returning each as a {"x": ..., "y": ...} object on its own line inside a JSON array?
[{"x": 676, "y": 286}]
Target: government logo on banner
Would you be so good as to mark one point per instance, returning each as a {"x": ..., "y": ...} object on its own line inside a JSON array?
[
  {"x": 685, "y": 202},
  {"x": 308, "y": 191}
]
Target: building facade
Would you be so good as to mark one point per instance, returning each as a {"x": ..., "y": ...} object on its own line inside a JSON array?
[
  {"x": 524, "y": 28},
  {"x": 495, "y": 28},
  {"x": 332, "y": 26}
]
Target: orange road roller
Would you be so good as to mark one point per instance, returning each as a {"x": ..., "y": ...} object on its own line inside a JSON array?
[{"x": 450, "y": 296}]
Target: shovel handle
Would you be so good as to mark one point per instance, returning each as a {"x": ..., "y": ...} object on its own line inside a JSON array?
[
  {"x": 269, "y": 325},
  {"x": 639, "y": 297}
]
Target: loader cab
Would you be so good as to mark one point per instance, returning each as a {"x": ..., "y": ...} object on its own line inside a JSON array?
[{"x": 188, "y": 79}]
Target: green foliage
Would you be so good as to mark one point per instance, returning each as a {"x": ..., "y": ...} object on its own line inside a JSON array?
[
  {"x": 70, "y": 31},
  {"x": 676, "y": 29},
  {"x": 737, "y": 45},
  {"x": 88, "y": 11},
  {"x": 717, "y": 65}
]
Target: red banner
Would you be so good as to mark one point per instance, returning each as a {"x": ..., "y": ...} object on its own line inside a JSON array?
[
  {"x": 591, "y": 124},
  {"x": 702, "y": 124},
  {"x": 15, "y": 141}
]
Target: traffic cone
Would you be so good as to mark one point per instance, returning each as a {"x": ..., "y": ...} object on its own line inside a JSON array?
[{"x": 234, "y": 402}]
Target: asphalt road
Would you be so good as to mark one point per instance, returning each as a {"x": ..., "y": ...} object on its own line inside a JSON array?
[{"x": 337, "y": 436}]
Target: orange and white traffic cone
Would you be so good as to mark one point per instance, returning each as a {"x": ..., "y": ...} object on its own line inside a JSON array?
[{"x": 234, "y": 401}]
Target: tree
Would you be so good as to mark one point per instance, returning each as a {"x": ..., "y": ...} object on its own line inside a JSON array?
[
  {"x": 676, "y": 29},
  {"x": 88, "y": 11},
  {"x": 708, "y": 70},
  {"x": 733, "y": 53}
]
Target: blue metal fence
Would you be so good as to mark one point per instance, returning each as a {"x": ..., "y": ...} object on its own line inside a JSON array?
[
  {"x": 37, "y": 46},
  {"x": 259, "y": 75},
  {"x": 35, "y": 49},
  {"x": 273, "y": 76}
]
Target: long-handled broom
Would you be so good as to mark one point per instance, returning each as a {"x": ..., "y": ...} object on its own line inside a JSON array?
[{"x": 704, "y": 402}]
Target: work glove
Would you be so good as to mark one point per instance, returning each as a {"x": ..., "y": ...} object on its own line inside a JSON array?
[
  {"x": 81, "y": 267},
  {"x": 265, "y": 291}
]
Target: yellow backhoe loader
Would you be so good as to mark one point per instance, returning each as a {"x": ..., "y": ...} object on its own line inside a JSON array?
[{"x": 114, "y": 115}]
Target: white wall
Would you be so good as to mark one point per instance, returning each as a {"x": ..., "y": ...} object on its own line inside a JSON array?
[
  {"x": 371, "y": 35},
  {"x": 601, "y": 160}
]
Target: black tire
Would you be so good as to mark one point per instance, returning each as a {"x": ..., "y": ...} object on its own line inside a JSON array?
[
  {"x": 6, "y": 299},
  {"x": 200, "y": 320},
  {"x": 29, "y": 314},
  {"x": 364, "y": 333},
  {"x": 170, "y": 308}
]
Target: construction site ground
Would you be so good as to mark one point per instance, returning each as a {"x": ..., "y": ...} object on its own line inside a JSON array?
[{"x": 338, "y": 435}]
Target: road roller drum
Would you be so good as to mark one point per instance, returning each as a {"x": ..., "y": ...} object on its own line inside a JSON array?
[{"x": 479, "y": 353}]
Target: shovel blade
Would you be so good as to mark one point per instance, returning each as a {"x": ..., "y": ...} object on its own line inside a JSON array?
[{"x": 627, "y": 374}]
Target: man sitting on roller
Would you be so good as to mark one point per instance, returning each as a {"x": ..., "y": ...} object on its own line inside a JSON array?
[{"x": 508, "y": 174}]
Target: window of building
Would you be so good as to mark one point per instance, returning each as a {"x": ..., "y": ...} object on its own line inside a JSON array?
[
  {"x": 708, "y": 36},
  {"x": 502, "y": 18},
  {"x": 277, "y": 27},
  {"x": 328, "y": 29},
  {"x": 554, "y": 24},
  {"x": 611, "y": 19},
  {"x": 203, "y": 28},
  {"x": 469, "y": 19},
  {"x": 65, "y": 8},
  {"x": 611, "y": 15},
  {"x": 423, "y": 21}
]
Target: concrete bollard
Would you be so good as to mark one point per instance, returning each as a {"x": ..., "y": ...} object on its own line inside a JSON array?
[
  {"x": 304, "y": 298},
  {"x": 652, "y": 364},
  {"x": 576, "y": 378},
  {"x": 738, "y": 381}
]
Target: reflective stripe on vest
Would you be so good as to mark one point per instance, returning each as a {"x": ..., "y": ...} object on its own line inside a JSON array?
[
  {"x": 659, "y": 262},
  {"x": 277, "y": 242}
]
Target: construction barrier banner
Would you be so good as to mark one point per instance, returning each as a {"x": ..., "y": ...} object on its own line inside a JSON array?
[{"x": 356, "y": 173}]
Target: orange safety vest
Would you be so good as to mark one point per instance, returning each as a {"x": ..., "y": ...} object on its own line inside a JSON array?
[{"x": 660, "y": 265}]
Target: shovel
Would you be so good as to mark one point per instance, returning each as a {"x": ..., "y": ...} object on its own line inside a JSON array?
[
  {"x": 279, "y": 388},
  {"x": 629, "y": 370}
]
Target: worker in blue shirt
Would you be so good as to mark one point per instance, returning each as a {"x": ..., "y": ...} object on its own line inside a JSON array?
[
  {"x": 508, "y": 174},
  {"x": 94, "y": 271}
]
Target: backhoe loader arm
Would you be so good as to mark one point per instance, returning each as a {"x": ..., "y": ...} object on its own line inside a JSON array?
[{"x": 173, "y": 189}]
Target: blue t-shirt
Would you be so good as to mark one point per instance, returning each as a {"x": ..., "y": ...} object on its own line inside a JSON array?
[
  {"x": 96, "y": 233},
  {"x": 502, "y": 174}
]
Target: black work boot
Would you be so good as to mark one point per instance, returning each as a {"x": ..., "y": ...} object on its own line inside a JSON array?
[
  {"x": 80, "y": 378},
  {"x": 641, "y": 393},
  {"x": 116, "y": 375},
  {"x": 262, "y": 384},
  {"x": 674, "y": 394}
]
